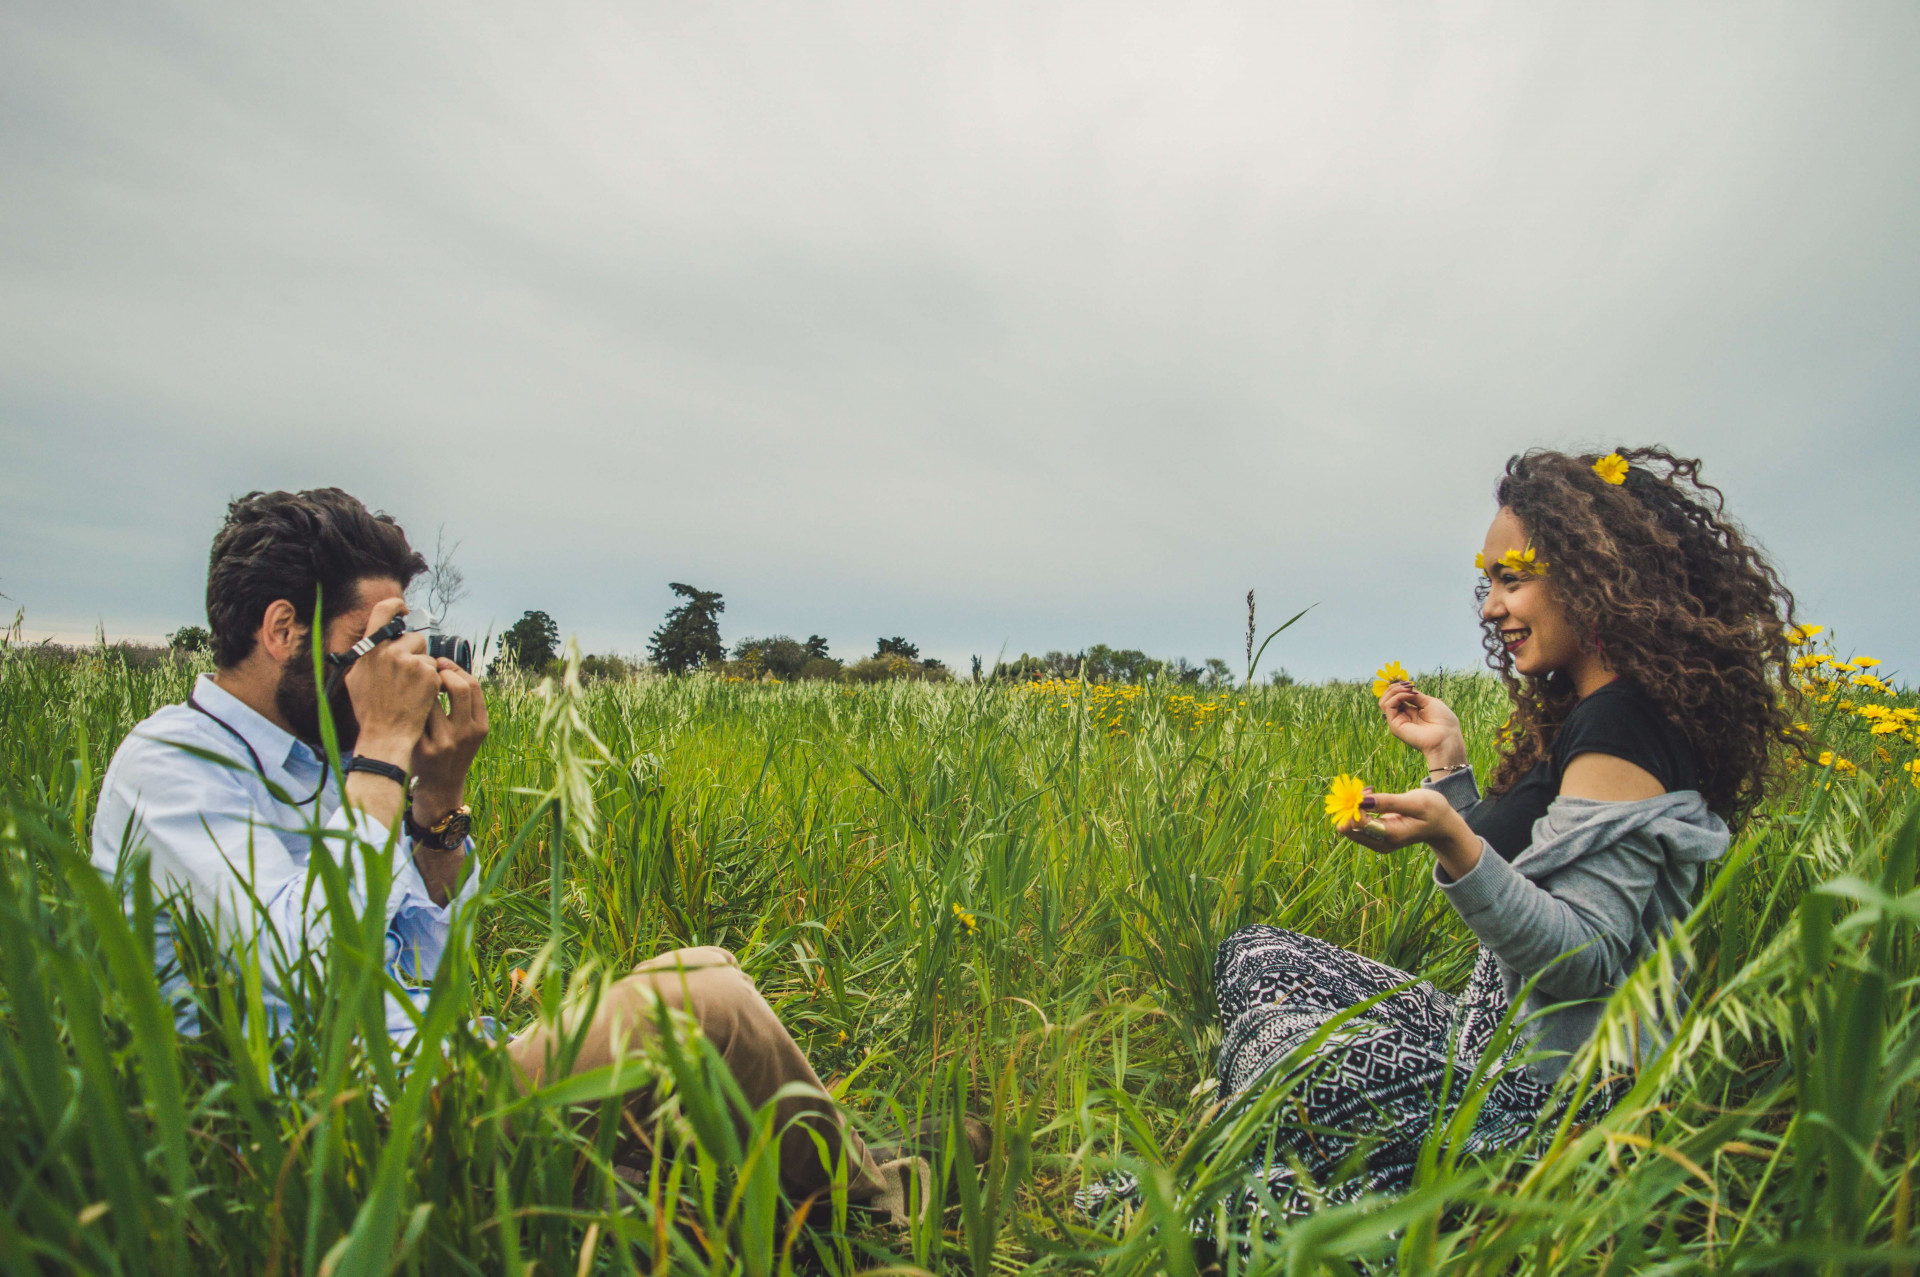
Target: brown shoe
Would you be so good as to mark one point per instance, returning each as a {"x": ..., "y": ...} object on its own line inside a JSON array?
[
  {"x": 930, "y": 1137},
  {"x": 897, "y": 1201}
]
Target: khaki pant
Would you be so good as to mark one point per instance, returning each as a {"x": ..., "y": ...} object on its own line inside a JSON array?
[{"x": 707, "y": 984}]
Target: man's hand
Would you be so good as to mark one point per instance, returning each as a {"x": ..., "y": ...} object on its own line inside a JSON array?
[
  {"x": 392, "y": 687},
  {"x": 1394, "y": 821},
  {"x": 1426, "y": 723},
  {"x": 445, "y": 751}
]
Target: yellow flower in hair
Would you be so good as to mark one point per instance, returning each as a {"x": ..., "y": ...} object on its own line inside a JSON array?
[
  {"x": 1524, "y": 562},
  {"x": 1479, "y": 561},
  {"x": 1385, "y": 677},
  {"x": 1611, "y": 468},
  {"x": 1343, "y": 799}
]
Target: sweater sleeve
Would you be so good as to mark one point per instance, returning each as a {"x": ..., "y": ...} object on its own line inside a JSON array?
[
  {"x": 1575, "y": 930},
  {"x": 1460, "y": 789}
]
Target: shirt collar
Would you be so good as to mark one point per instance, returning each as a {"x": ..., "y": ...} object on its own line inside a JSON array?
[{"x": 276, "y": 746}]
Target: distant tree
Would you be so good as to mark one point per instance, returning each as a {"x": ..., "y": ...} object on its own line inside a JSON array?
[
  {"x": 897, "y": 646},
  {"x": 880, "y": 669},
  {"x": 690, "y": 636},
  {"x": 446, "y": 583},
  {"x": 607, "y": 668},
  {"x": 976, "y": 669},
  {"x": 816, "y": 646},
  {"x": 530, "y": 642},
  {"x": 824, "y": 668},
  {"x": 1219, "y": 673},
  {"x": 1279, "y": 678},
  {"x": 1024, "y": 669},
  {"x": 1120, "y": 665},
  {"x": 190, "y": 638},
  {"x": 780, "y": 656}
]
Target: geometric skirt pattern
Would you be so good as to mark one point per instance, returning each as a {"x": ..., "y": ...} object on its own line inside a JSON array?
[{"x": 1365, "y": 1101}]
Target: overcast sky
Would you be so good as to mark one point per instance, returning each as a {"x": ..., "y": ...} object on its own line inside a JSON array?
[{"x": 1016, "y": 326}]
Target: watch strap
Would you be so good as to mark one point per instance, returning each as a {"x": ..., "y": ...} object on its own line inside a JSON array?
[{"x": 449, "y": 833}]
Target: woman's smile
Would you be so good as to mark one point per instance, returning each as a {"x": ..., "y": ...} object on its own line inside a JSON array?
[{"x": 1514, "y": 638}]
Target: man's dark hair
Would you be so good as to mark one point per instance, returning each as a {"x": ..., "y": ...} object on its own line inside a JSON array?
[{"x": 281, "y": 545}]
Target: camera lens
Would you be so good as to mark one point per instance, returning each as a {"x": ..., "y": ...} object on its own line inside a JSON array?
[{"x": 455, "y": 649}]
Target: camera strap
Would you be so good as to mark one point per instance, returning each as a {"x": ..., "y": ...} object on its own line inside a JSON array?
[{"x": 234, "y": 732}]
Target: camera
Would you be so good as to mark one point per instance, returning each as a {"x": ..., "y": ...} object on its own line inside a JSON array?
[{"x": 455, "y": 649}]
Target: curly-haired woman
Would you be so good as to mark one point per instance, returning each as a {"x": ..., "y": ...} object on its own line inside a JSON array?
[{"x": 1643, "y": 641}]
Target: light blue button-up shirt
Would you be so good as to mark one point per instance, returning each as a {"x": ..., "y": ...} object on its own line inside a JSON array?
[{"x": 213, "y": 832}]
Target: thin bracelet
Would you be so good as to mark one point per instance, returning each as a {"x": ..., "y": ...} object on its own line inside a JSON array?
[
  {"x": 376, "y": 767},
  {"x": 1447, "y": 771}
]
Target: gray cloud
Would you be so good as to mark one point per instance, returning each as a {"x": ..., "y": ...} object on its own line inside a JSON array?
[{"x": 1034, "y": 325}]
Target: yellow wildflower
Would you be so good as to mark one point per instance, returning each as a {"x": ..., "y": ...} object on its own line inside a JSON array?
[
  {"x": 1386, "y": 676},
  {"x": 1479, "y": 561},
  {"x": 967, "y": 920},
  {"x": 1343, "y": 799},
  {"x": 1801, "y": 634},
  {"x": 1611, "y": 468},
  {"x": 1865, "y": 662}
]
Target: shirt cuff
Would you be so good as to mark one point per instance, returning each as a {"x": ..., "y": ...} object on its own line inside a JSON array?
[
  {"x": 1459, "y": 788},
  {"x": 408, "y": 892}
]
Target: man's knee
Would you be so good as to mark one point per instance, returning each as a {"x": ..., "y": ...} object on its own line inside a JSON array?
[
  {"x": 707, "y": 984},
  {"x": 695, "y": 958}
]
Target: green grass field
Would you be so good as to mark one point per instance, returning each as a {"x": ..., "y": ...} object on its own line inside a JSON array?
[{"x": 1001, "y": 897}]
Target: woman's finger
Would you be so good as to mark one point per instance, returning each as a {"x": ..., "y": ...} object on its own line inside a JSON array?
[{"x": 1417, "y": 806}]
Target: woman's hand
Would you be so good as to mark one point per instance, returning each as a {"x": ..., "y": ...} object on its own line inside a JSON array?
[
  {"x": 1394, "y": 821},
  {"x": 1425, "y": 723}
]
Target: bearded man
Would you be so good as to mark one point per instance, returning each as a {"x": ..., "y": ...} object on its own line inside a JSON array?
[{"x": 225, "y": 794}]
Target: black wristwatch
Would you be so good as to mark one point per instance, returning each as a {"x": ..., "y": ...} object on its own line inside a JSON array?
[{"x": 447, "y": 835}]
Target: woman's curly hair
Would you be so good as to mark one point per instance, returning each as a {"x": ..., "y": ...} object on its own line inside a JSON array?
[{"x": 1679, "y": 600}]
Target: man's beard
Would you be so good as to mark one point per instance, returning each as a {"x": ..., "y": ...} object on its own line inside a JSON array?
[{"x": 298, "y": 700}]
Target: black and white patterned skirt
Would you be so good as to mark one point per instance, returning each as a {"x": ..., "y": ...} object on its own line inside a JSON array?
[{"x": 1361, "y": 1104}]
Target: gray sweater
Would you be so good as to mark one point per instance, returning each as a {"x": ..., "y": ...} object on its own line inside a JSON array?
[{"x": 1600, "y": 885}]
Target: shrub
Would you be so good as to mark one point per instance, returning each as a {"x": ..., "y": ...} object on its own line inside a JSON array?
[{"x": 879, "y": 669}]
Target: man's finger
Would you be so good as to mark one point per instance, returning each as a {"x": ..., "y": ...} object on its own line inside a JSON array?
[
  {"x": 460, "y": 688},
  {"x": 383, "y": 611}
]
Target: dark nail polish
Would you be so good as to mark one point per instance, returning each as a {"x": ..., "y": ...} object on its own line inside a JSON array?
[{"x": 1367, "y": 803}]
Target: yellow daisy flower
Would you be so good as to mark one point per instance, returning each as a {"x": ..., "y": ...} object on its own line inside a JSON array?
[
  {"x": 1612, "y": 469},
  {"x": 1479, "y": 561},
  {"x": 1385, "y": 677},
  {"x": 1343, "y": 799},
  {"x": 1798, "y": 634},
  {"x": 967, "y": 920}
]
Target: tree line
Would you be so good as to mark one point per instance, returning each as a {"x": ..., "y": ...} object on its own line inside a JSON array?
[{"x": 688, "y": 639}]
